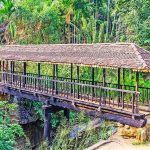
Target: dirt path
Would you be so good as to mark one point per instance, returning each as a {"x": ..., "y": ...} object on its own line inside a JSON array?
[{"x": 119, "y": 143}]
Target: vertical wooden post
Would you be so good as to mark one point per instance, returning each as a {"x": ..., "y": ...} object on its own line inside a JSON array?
[
  {"x": 3, "y": 70},
  {"x": 0, "y": 65},
  {"x": 119, "y": 85},
  {"x": 66, "y": 113},
  {"x": 11, "y": 71},
  {"x": 118, "y": 78},
  {"x": 56, "y": 74},
  {"x": 123, "y": 76},
  {"x": 3, "y": 66},
  {"x": 47, "y": 125},
  {"x": 104, "y": 84},
  {"x": 39, "y": 75},
  {"x": 78, "y": 81},
  {"x": 24, "y": 68},
  {"x": 39, "y": 70},
  {"x": 71, "y": 76},
  {"x": 12, "y": 67},
  {"x": 53, "y": 76},
  {"x": 24, "y": 73},
  {"x": 7, "y": 64},
  {"x": 104, "y": 77},
  {"x": 123, "y": 86},
  {"x": 137, "y": 81},
  {"x": 93, "y": 82},
  {"x": 137, "y": 94},
  {"x": 0, "y": 70}
]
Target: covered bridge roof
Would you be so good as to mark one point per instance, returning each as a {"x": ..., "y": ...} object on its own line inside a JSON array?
[{"x": 125, "y": 55}]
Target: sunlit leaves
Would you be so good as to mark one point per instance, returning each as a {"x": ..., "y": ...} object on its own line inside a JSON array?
[{"x": 8, "y": 130}]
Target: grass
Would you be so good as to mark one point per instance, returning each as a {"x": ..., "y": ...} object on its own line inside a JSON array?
[{"x": 63, "y": 140}]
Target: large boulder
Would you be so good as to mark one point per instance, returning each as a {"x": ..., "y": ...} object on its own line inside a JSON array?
[{"x": 24, "y": 113}]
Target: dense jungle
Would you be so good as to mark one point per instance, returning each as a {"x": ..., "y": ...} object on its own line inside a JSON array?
[{"x": 69, "y": 22}]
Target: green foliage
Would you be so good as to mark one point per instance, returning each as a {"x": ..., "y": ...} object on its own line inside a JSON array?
[
  {"x": 38, "y": 109},
  {"x": 88, "y": 137},
  {"x": 7, "y": 9},
  {"x": 8, "y": 130},
  {"x": 77, "y": 21}
]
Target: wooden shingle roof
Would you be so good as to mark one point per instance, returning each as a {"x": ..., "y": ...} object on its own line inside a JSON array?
[{"x": 125, "y": 55}]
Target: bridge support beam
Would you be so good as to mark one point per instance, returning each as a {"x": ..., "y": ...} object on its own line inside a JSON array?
[
  {"x": 47, "y": 125},
  {"x": 66, "y": 114}
]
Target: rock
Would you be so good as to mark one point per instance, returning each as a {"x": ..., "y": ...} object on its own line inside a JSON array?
[
  {"x": 24, "y": 113},
  {"x": 143, "y": 136},
  {"x": 119, "y": 125},
  {"x": 4, "y": 97},
  {"x": 127, "y": 126},
  {"x": 128, "y": 131}
]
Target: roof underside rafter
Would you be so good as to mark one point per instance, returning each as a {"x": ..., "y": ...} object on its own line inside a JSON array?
[{"x": 125, "y": 55}]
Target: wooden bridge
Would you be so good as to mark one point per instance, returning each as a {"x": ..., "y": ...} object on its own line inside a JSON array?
[{"x": 128, "y": 104}]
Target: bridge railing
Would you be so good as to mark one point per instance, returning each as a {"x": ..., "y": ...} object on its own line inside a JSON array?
[
  {"x": 144, "y": 97},
  {"x": 83, "y": 93}
]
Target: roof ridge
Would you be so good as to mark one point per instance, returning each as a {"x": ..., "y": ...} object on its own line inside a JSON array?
[
  {"x": 138, "y": 54},
  {"x": 142, "y": 48}
]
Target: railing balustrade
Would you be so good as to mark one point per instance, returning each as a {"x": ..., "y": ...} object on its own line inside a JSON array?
[
  {"x": 144, "y": 96},
  {"x": 83, "y": 92}
]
